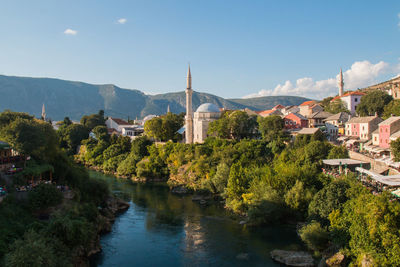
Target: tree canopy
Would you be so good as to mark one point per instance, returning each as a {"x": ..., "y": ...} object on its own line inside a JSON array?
[
  {"x": 165, "y": 127},
  {"x": 373, "y": 102}
]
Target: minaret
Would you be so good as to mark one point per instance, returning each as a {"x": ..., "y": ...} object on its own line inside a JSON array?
[
  {"x": 341, "y": 83},
  {"x": 43, "y": 113},
  {"x": 168, "y": 109},
  {"x": 189, "y": 110}
]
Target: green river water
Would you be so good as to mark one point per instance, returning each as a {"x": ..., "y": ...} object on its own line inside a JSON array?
[{"x": 163, "y": 229}]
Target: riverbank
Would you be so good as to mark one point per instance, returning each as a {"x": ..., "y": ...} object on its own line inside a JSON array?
[
  {"x": 165, "y": 229},
  {"x": 106, "y": 218}
]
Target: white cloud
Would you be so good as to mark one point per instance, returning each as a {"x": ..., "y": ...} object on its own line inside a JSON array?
[
  {"x": 360, "y": 74},
  {"x": 122, "y": 21},
  {"x": 70, "y": 32},
  {"x": 398, "y": 15}
]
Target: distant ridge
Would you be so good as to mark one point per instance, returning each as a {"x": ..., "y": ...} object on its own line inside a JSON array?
[{"x": 75, "y": 99}]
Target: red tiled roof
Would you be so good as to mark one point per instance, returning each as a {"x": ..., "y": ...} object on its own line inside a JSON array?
[
  {"x": 347, "y": 94},
  {"x": 266, "y": 112},
  {"x": 308, "y": 103},
  {"x": 279, "y": 106},
  {"x": 120, "y": 121}
]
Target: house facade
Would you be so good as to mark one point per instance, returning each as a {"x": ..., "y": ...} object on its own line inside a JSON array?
[
  {"x": 295, "y": 121},
  {"x": 362, "y": 127},
  {"x": 386, "y": 129},
  {"x": 351, "y": 100}
]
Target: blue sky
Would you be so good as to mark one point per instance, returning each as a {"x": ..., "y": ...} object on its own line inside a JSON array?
[{"x": 235, "y": 48}]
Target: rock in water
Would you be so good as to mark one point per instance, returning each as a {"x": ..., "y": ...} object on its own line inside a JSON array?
[
  {"x": 293, "y": 258},
  {"x": 242, "y": 256},
  {"x": 336, "y": 260}
]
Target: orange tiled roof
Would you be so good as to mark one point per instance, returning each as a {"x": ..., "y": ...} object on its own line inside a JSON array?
[
  {"x": 347, "y": 94},
  {"x": 279, "y": 106},
  {"x": 308, "y": 103},
  {"x": 266, "y": 112}
]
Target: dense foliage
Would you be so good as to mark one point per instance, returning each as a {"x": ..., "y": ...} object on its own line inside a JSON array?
[
  {"x": 72, "y": 224},
  {"x": 373, "y": 102},
  {"x": 165, "y": 127}
]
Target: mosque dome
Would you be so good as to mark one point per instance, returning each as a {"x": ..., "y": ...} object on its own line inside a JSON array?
[
  {"x": 149, "y": 117},
  {"x": 207, "y": 107}
]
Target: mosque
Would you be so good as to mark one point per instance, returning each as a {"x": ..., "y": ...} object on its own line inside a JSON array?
[{"x": 197, "y": 124}]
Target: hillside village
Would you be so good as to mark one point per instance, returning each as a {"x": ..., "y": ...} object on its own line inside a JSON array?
[{"x": 340, "y": 136}]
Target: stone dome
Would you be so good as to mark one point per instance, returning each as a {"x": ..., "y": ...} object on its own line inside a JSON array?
[{"x": 207, "y": 107}]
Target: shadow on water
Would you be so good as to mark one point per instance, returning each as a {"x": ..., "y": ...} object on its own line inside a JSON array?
[{"x": 163, "y": 229}]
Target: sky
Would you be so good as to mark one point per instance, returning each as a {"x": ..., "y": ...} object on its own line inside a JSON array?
[{"x": 235, "y": 48}]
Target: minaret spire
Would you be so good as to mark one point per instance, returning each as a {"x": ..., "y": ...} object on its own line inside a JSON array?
[
  {"x": 189, "y": 110},
  {"x": 168, "y": 109},
  {"x": 341, "y": 82},
  {"x": 189, "y": 79},
  {"x": 43, "y": 113}
]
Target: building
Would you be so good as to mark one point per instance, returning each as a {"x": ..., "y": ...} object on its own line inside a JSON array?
[
  {"x": 196, "y": 126},
  {"x": 386, "y": 129},
  {"x": 392, "y": 87},
  {"x": 335, "y": 124},
  {"x": 8, "y": 156},
  {"x": 204, "y": 115},
  {"x": 350, "y": 100},
  {"x": 270, "y": 112},
  {"x": 291, "y": 109},
  {"x": 295, "y": 121},
  {"x": 309, "y": 107},
  {"x": 317, "y": 118},
  {"x": 362, "y": 127},
  {"x": 122, "y": 127},
  {"x": 308, "y": 131}
]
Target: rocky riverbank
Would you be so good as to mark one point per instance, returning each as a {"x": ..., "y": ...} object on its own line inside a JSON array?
[{"x": 114, "y": 207}]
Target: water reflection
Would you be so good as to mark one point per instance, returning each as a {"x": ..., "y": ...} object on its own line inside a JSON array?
[{"x": 162, "y": 229}]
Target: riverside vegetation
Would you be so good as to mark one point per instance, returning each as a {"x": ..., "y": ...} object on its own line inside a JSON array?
[
  {"x": 42, "y": 228},
  {"x": 260, "y": 174}
]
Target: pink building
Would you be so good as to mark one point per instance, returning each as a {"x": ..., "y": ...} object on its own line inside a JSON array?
[
  {"x": 386, "y": 129},
  {"x": 362, "y": 127}
]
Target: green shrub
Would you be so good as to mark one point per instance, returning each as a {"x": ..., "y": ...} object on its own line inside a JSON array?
[
  {"x": 44, "y": 196},
  {"x": 315, "y": 236}
]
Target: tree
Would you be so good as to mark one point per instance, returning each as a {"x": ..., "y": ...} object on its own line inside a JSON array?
[
  {"x": 44, "y": 196},
  {"x": 338, "y": 152},
  {"x": 271, "y": 127},
  {"x": 71, "y": 136},
  {"x": 298, "y": 197},
  {"x": 336, "y": 106},
  {"x": 326, "y": 102},
  {"x": 9, "y": 116},
  {"x": 395, "y": 147},
  {"x": 373, "y": 102},
  {"x": 235, "y": 125},
  {"x": 91, "y": 121},
  {"x": 101, "y": 133},
  {"x": 331, "y": 197},
  {"x": 164, "y": 128},
  {"x": 393, "y": 108},
  {"x": 36, "y": 250},
  {"x": 140, "y": 145},
  {"x": 315, "y": 236}
]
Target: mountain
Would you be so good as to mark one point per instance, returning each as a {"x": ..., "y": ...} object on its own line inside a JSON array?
[{"x": 74, "y": 99}]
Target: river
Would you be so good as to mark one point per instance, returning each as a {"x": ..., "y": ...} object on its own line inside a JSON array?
[{"x": 163, "y": 229}]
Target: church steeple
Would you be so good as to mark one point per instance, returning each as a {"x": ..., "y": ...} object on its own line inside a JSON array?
[
  {"x": 189, "y": 110},
  {"x": 341, "y": 83}
]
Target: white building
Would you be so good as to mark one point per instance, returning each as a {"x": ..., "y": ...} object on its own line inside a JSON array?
[{"x": 204, "y": 115}]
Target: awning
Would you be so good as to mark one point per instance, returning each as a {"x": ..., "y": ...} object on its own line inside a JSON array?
[
  {"x": 342, "y": 138},
  {"x": 392, "y": 180},
  {"x": 352, "y": 141}
]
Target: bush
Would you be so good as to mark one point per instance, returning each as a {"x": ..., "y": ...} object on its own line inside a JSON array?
[
  {"x": 44, "y": 196},
  {"x": 315, "y": 236}
]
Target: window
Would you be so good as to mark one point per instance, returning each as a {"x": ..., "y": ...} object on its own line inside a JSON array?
[
  {"x": 363, "y": 128},
  {"x": 355, "y": 99},
  {"x": 386, "y": 129},
  {"x": 375, "y": 138}
]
